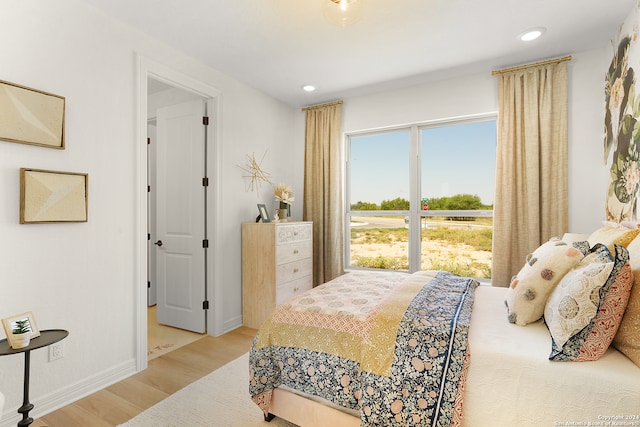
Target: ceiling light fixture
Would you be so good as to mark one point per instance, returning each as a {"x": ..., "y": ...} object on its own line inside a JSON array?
[
  {"x": 343, "y": 12},
  {"x": 308, "y": 88},
  {"x": 532, "y": 34}
]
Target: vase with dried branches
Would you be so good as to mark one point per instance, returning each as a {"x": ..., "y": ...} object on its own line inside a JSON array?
[{"x": 283, "y": 194}]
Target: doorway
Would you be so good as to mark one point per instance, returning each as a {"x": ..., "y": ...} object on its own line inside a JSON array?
[
  {"x": 178, "y": 88},
  {"x": 176, "y": 144}
]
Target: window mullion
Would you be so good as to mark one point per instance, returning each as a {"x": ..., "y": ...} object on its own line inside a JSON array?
[{"x": 414, "y": 201}]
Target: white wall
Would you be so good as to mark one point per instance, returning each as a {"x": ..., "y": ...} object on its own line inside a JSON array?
[
  {"x": 477, "y": 94},
  {"x": 82, "y": 277}
]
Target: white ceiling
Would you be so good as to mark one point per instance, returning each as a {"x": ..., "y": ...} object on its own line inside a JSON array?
[{"x": 277, "y": 46}]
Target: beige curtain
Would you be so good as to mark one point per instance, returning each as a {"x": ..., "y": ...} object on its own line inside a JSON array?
[
  {"x": 323, "y": 189},
  {"x": 531, "y": 164}
]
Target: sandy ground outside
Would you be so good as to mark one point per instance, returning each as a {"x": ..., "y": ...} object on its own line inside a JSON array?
[{"x": 435, "y": 253}]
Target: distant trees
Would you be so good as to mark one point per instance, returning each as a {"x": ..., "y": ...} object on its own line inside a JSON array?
[
  {"x": 457, "y": 203},
  {"x": 364, "y": 206},
  {"x": 453, "y": 203},
  {"x": 397, "y": 204}
]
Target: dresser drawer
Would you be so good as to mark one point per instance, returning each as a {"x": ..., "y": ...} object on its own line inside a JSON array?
[
  {"x": 294, "y": 270},
  {"x": 287, "y": 233},
  {"x": 293, "y": 288},
  {"x": 277, "y": 263},
  {"x": 293, "y": 251}
]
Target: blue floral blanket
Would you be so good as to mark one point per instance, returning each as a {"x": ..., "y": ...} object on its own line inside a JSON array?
[{"x": 392, "y": 346}]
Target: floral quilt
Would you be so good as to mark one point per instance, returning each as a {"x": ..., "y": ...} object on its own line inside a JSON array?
[{"x": 392, "y": 346}]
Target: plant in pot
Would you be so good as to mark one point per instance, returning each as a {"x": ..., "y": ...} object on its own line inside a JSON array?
[{"x": 21, "y": 333}]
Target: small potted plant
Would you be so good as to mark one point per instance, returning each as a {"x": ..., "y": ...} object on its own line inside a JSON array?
[{"x": 22, "y": 333}]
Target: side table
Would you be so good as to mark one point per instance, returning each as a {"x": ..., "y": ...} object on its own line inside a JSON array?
[{"x": 47, "y": 337}]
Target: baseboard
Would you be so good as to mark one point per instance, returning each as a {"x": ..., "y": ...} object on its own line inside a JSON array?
[
  {"x": 231, "y": 324},
  {"x": 71, "y": 393}
]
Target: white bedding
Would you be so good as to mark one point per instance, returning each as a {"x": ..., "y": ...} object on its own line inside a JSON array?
[{"x": 511, "y": 382}]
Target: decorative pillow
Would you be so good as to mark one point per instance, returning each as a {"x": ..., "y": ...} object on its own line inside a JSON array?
[
  {"x": 609, "y": 235},
  {"x": 529, "y": 290},
  {"x": 627, "y": 340},
  {"x": 570, "y": 238},
  {"x": 584, "y": 311},
  {"x": 623, "y": 224}
]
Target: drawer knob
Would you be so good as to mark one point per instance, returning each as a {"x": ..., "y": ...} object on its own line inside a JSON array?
[
  {"x": 296, "y": 289},
  {"x": 295, "y": 251},
  {"x": 295, "y": 270}
]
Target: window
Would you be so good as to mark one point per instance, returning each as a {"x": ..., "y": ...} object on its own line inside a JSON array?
[{"x": 421, "y": 197}]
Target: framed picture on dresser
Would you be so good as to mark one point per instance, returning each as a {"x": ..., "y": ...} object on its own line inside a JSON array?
[{"x": 264, "y": 213}]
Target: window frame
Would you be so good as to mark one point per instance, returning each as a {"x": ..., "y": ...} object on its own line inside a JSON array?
[{"x": 415, "y": 212}]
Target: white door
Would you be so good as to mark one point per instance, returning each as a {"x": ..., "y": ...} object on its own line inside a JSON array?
[
  {"x": 151, "y": 215},
  {"x": 180, "y": 216}
]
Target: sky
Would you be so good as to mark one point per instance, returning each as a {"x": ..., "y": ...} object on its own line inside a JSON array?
[{"x": 456, "y": 159}]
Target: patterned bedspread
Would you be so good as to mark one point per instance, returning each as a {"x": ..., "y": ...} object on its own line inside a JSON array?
[{"x": 392, "y": 346}]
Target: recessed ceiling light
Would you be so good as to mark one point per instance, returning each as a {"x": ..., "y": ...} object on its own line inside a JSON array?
[
  {"x": 532, "y": 34},
  {"x": 308, "y": 88}
]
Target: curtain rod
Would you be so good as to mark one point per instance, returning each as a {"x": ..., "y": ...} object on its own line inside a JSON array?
[
  {"x": 311, "y": 107},
  {"x": 536, "y": 64}
]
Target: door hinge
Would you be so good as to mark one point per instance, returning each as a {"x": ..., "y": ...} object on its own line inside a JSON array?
[
  {"x": 205, "y": 181},
  {"x": 205, "y": 243},
  {"x": 149, "y": 285},
  {"x": 205, "y": 120},
  {"x": 205, "y": 305},
  {"x": 148, "y": 189},
  {"x": 148, "y": 141},
  {"x": 148, "y": 236}
]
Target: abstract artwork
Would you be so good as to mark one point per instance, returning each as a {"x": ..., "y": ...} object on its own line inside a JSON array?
[
  {"x": 31, "y": 116},
  {"x": 255, "y": 173},
  {"x": 49, "y": 196}
]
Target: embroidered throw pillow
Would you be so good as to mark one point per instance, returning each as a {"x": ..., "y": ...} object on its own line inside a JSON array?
[
  {"x": 529, "y": 290},
  {"x": 585, "y": 310},
  {"x": 609, "y": 235}
]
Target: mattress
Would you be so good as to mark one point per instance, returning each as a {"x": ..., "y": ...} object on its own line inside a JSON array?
[{"x": 511, "y": 381}]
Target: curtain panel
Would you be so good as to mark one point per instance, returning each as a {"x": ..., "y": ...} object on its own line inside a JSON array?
[
  {"x": 323, "y": 189},
  {"x": 531, "y": 165}
]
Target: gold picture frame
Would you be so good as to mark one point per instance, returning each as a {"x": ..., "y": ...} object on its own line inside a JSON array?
[
  {"x": 9, "y": 323},
  {"x": 53, "y": 197},
  {"x": 31, "y": 116}
]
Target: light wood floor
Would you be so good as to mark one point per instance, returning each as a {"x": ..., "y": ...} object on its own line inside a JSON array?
[{"x": 165, "y": 375}]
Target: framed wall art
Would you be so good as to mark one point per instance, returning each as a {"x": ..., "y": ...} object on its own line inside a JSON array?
[
  {"x": 51, "y": 196},
  {"x": 14, "y": 325},
  {"x": 31, "y": 116}
]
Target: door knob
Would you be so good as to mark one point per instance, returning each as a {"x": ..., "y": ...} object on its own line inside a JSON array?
[{"x": 159, "y": 243}]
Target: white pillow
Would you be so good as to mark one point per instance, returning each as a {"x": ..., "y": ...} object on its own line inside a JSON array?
[
  {"x": 529, "y": 290},
  {"x": 574, "y": 302}
]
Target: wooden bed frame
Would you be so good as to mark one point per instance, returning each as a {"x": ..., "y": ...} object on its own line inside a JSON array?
[{"x": 307, "y": 412}]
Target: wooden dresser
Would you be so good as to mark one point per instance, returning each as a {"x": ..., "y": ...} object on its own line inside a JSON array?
[{"x": 277, "y": 263}]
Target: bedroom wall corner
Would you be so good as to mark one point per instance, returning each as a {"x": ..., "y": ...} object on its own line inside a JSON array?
[{"x": 588, "y": 174}]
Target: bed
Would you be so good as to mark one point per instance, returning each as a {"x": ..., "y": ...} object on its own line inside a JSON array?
[{"x": 459, "y": 363}]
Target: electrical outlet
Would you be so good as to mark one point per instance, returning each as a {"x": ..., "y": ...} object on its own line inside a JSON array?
[{"x": 56, "y": 351}]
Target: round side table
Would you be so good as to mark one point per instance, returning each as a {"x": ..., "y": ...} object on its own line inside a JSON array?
[{"x": 46, "y": 338}]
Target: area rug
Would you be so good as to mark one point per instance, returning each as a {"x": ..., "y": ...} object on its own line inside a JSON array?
[{"x": 220, "y": 399}]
